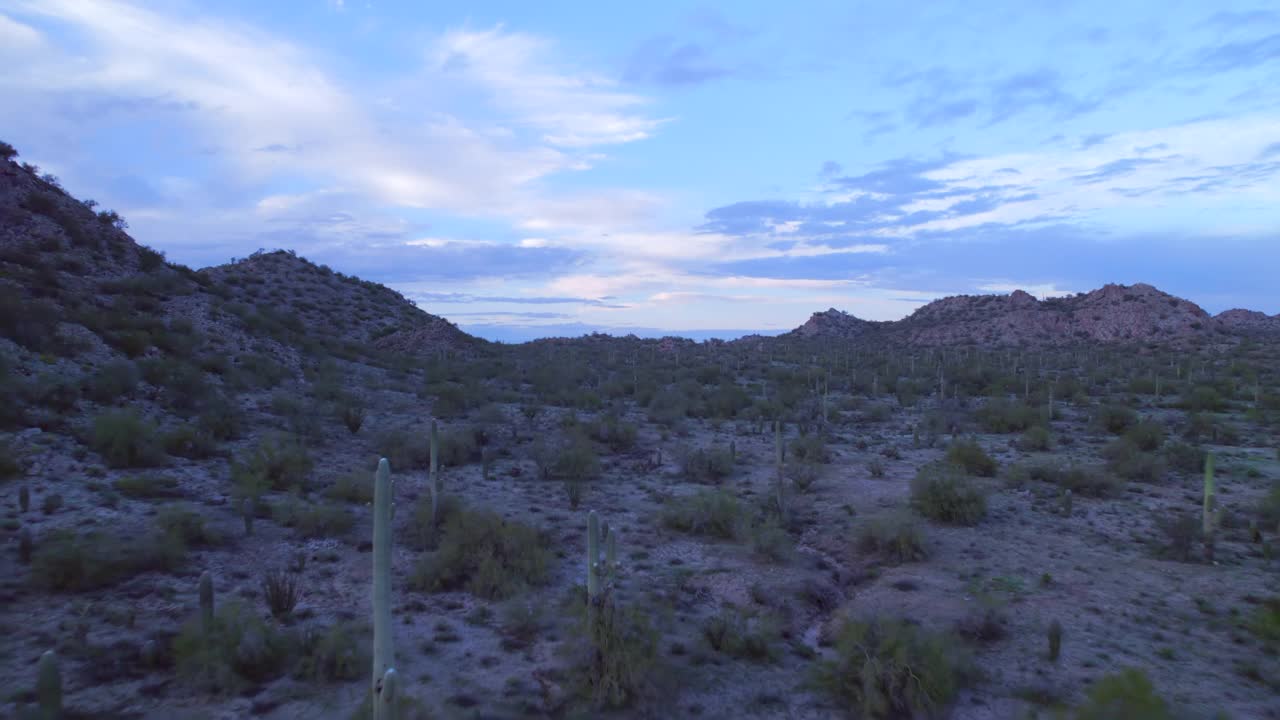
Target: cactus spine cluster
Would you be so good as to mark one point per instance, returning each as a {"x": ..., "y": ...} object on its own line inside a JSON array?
[
  {"x": 49, "y": 686},
  {"x": 384, "y": 674}
]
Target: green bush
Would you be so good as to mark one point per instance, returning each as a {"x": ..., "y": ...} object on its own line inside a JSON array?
[
  {"x": 276, "y": 463},
  {"x": 742, "y": 636},
  {"x": 616, "y": 656},
  {"x": 1127, "y": 694},
  {"x": 115, "y": 380},
  {"x": 896, "y": 537},
  {"x": 1180, "y": 531},
  {"x": 485, "y": 555},
  {"x": 1115, "y": 419},
  {"x": 460, "y": 446},
  {"x": 810, "y": 448},
  {"x": 124, "y": 439},
  {"x": 405, "y": 448},
  {"x": 1126, "y": 459},
  {"x": 1269, "y": 506},
  {"x": 576, "y": 459},
  {"x": 1265, "y": 624},
  {"x": 890, "y": 668},
  {"x": 710, "y": 465},
  {"x": 352, "y": 487},
  {"x": 340, "y": 652},
  {"x": 1035, "y": 439},
  {"x": 148, "y": 487},
  {"x": 182, "y": 524},
  {"x": 65, "y": 561},
  {"x": 968, "y": 454},
  {"x": 312, "y": 520},
  {"x": 191, "y": 442},
  {"x": 1007, "y": 416},
  {"x": 715, "y": 513},
  {"x": 222, "y": 419},
  {"x": 241, "y": 650},
  {"x": 10, "y": 465},
  {"x": 1147, "y": 435},
  {"x": 942, "y": 493}
]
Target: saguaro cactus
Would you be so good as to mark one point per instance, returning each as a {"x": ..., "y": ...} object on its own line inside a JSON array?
[
  {"x": 49, "y": 686},
  {"x": 384, "y": 678},
  {"x": 437, "y": 486},
  {"x": 206, "y": 603},
  {"x": 1207, "y": 517},
  {"x": 779, "y": 486},
  {"x": 593, "y": 557}
]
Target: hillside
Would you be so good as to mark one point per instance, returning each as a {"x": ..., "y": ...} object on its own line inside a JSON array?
[{"x": 1113, "y": 313}]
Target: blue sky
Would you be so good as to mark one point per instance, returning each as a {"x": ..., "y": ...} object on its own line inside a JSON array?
[{"x": 527, "y": 169}]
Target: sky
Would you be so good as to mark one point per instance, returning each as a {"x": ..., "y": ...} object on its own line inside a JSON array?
[{"x": 706, "y": 169}]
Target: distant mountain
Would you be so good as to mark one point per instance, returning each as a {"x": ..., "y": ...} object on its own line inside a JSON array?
[{"x": 1112, "y": 313}]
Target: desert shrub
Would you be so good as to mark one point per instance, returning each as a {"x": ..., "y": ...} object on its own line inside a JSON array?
[
  {"x": 576, "y": 459},
  {"x": 240, "y": 650},
  {"x": 450, "y": 401},
  {"x": 890, "y": 668},
  {"x": 715, "y": 513},
  {"x": 615, "y": 658},
  {"x": 743, "y": 636},
  {"x": 147, "y": 487},
  {"x": 1264, "y": 623},
  {"x": 222, "y": 419},
  {"x": 7, "y": 152},
  {"x": 942, "y": 493},
  {"x": 51, "y": 504},
  {"x": 1087, "y": 481},
  {"x": 189, "y": 441},
  {"x": 313, "y": 520},
  {"x": 810, "y": 448},
  {"x": 1035, "y": 439},
  {"x": 1184, "y": 458},
  {"x": 876, "y": 468},
  {"x": 352, "y": 487},
  {"x": 352, "y": 414},
  {"x": 896, "y": 537},
  {"x": 405, "y": 448},
  {"x": 1007, "y": 416},
  {"x": 1127, "y": 694},
  {"x": 705, "y": 465},
  {"x": 180, "y": 523},
  {"x": 337, "y": 653},
  {"x": 10, "y": 465},
  {"x": 278, "y": 462},
  {"x": 281, "y": 590},
  {"x": 968, "y": 454},
  {"x": 485, "y": 555},
  {"x": 668, "y": 407},
  {"x": 124, "y": 439},
  {"x": 1115, "y": 419},
  {"x": 66, "y": 561},
  {"x": 615, "y": 434},
  {"x": 1179, "y": 532},
  {"x": 460, "y": 446},
  {"x": 1147, "y": 435},
  {"x": 1126, "y": 459},
  {"x": 1269, "y": 506},
  {"x": 115, "y": 380},
  {"x": 1203, "y": 398},
  {"x": 771, "y": 541}
]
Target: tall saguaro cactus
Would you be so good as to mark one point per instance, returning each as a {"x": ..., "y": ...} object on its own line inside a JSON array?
[
  {"x": 436, "y": 485},
  {"x": 779, "y": 486},
  {"x": 384, "y": 674},
  {"x": 1207, "y": 516},
  {"x": 593, "y": 557},
  {"x": 49, "y": 687}
]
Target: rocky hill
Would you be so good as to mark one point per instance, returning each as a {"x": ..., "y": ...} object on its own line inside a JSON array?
[{"x": 1112, "y": 313}]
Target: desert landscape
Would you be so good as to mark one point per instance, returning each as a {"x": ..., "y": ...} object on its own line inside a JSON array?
[{"x": 996, "y": 507}]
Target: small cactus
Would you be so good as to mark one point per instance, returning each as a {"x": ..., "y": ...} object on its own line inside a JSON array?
[
  {"x": 206, "y": 603},
  {"x": 24, "y": 546},
  {"x": 246, "y": 514},
  {"x": 24, "y": 498},
  {"x": 1055, "y": 640},
  {"x": 49, "y": 686},
  {"x": 611, "y": 554},
  {"x": 1066, "y": 502},
  {"x": 593, "y": 557},
  {"x": 384, "y": 676}
]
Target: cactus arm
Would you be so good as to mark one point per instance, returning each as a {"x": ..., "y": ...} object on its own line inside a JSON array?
[
  {"x": 593, "y": 556},
  {"x": 386, "y": 697}
]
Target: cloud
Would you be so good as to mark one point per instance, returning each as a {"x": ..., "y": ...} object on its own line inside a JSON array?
[
  {"x": 1240, "y": 54},
  {"x": 570, "y": 109},
  {"x": 664, "y": 61}
]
